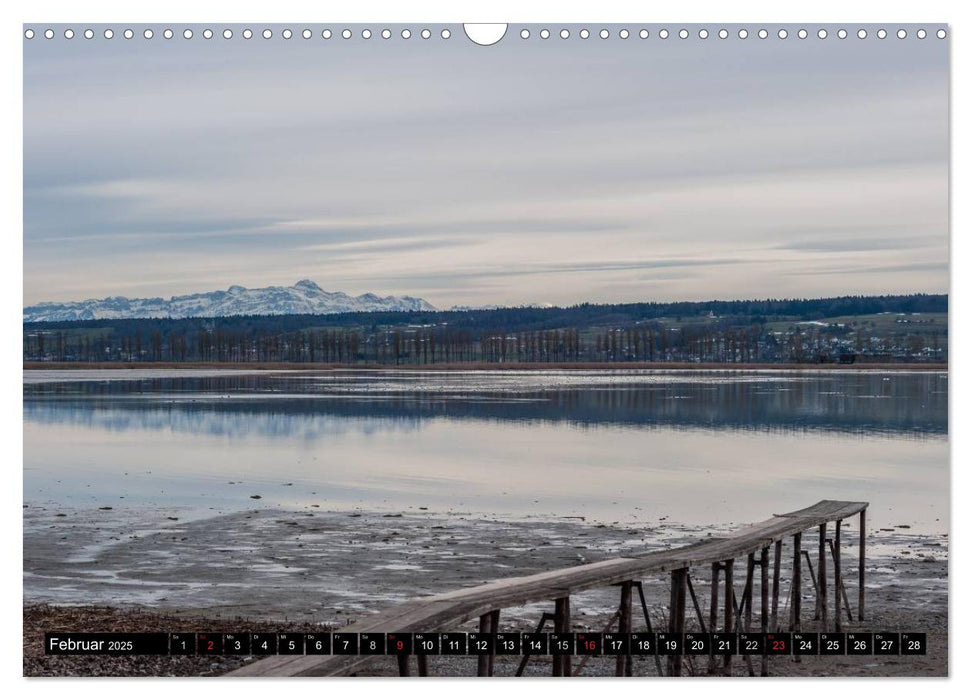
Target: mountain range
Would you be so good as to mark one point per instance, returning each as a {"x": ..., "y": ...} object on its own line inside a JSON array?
[{"x": 305, "y": 297}]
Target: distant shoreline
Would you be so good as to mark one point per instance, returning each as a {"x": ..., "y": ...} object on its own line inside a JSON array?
[{"x": 496, "y": 367}]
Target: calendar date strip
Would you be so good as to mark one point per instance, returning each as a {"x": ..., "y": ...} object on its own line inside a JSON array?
[{"x": 478, "y": 643}]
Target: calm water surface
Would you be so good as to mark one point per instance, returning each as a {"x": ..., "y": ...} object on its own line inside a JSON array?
[{"x": 694, "y": 447}]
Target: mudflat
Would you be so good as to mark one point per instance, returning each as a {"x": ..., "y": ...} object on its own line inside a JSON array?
[{"x": 273, "y": 569}]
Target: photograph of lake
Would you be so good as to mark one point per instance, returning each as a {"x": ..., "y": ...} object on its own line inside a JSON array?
[{"x": 475, "y": 361}]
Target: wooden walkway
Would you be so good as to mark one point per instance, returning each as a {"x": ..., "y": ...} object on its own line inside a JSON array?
[{"x": 446, "y": 611}]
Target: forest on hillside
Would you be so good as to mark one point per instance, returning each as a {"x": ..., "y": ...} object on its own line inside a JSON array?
[{"x": 772, "y": 330}]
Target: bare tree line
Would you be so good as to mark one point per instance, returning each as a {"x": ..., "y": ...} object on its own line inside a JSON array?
[{"x": 443, "y": 345}]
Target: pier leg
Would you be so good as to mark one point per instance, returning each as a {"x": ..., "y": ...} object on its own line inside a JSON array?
[
  {"x": 493, "y": 627},
  {"x": 650, "y": 629},
  {"x": 841, "y": 595},
  {"x": 403, "y": 669},
  {"x": 846, "y": 603},
  {"x": 776, "y": 575},
  {"x": 624, "y": 627},
  {"x": 539, "y": 628},
  {"x": 483, "y": 661},
  {"x": 764, "y": 601},
  {"x": 812, "y": 577},
  {"x": 676, "y": 619},
  {"x": 488, "y": 623},
  {"x": 838, "y": 577},
  {"x": 745, "y": 610},
  {"x": 821, "y": 579},
  {"x": 713, "y": 613},
  {"x": 694, "y": 603},
  {"x": 422, "y": 665},
  {"x": 748, "y": 593},
  {"x": 862, "y": 590},
  {"x": 729, "y": 608},
  {"x": 796, "y": 623},
  {"x": 561, "y": 623}
]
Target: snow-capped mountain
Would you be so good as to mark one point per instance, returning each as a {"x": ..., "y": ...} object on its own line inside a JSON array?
[{"x": 305, "y": 297}]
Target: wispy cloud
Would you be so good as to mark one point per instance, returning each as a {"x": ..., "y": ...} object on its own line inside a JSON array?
[{"x": 557, "y": 172}]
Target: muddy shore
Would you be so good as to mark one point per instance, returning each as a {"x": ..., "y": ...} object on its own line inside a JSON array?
[
  {"x": 272, "y": 569},
  {"x": 486, "y": 366}
]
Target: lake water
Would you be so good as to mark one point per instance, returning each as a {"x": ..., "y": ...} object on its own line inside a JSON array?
[{"x": 698, "y": 448}]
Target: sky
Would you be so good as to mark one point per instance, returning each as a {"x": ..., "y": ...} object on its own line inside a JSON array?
[{"x": 532, "y": 171}]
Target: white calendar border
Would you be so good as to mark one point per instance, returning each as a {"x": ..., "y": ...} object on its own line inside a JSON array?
[{"x": 562, "y": 11}]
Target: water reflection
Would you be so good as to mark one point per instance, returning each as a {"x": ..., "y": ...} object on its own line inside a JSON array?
[
  {"x": 700, "y": 448},
  {"x": 285, "y": 406}
]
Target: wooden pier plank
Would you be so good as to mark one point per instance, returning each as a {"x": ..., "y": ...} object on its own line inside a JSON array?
[{"x": 448, "y": 610}]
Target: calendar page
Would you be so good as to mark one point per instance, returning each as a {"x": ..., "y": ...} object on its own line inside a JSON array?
[{"x": 523, "y": 350}]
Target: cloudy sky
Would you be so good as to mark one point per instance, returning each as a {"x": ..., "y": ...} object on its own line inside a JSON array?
[{"x": 553, "y": 171}]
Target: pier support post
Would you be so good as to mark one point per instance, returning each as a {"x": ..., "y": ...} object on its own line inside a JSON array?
[
  {"x": 624, "y": 627},
  {"x": 422, "y": 665},
  {"x": 650, "y": 628},
  {"x": 676, "y": 619},
  {"x": 494, "y": 628},
  {"x": 488, "y": 623},
  {"x": 862, "y": 589},
  {"x": 838, "y": 577},
  {"x": 748, "y": 593},
  {"x": 483, "y": 661},
  {"x": 812, "y": 578},
  {"x": 713, "y": 613},
  {"x": 764, "y": 601},
  {"x": 821, "y": 579},
  {"x": 403, "y": 669},
  {"x": 561, "y": 623},
  {"x": 795, "y": 624},
  {"x": 729, "y": 608},
  {"x": 841, "y": 594},
  {"x": 543, "y": 619},
  {"x": 776, "y": 575},
  {"x": 694, "y": 602},
  {"x": 745, "y": 609}
]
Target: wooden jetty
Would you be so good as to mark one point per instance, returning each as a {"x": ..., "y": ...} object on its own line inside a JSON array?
[{"x": 723, "y": 556}]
